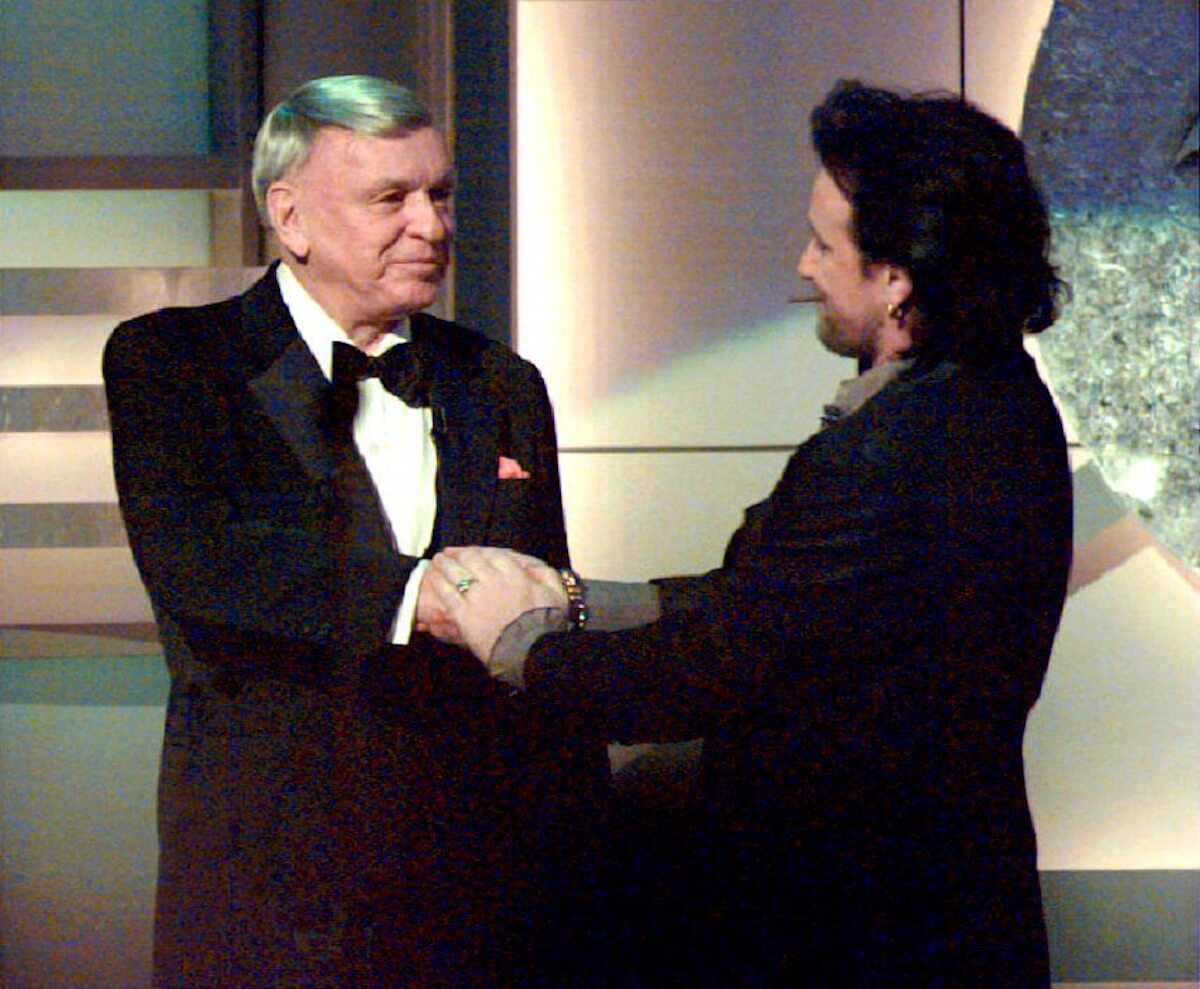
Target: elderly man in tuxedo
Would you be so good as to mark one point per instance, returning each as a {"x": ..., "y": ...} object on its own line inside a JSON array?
[
  {"x": 343, "y": 800},
  {"x": 861, "y": 665}
]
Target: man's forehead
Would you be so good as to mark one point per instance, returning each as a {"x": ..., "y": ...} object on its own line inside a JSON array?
[
  {"x": 338, "y": 148},
  {"x": 827, "y": 203},
  {"x": 346, "y": 138}
]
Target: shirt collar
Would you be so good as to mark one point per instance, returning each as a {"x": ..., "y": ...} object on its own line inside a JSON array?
[
  {"x": 317, "y": 328},
  {"x": 854, "y": 393}
]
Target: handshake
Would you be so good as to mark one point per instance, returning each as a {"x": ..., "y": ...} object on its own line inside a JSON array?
[{"x": 470, "y": 595}]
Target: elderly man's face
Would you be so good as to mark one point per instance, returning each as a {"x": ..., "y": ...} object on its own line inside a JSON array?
[
  {"x": 369, "y": 223},
  {"x": 853, "y": 300}
]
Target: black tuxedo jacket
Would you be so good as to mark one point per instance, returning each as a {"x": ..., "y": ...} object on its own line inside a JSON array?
[
  {"x": 324, "y": 795},
  {"x": 860, "y": 669}
]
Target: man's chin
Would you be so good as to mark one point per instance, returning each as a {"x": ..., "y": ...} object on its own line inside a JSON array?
[
  {"x": 414, "y": 297},
  {"x": 830, "y": 339}
]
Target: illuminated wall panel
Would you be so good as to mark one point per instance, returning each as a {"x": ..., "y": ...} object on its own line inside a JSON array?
[
  {"x": 49, "y": 468},
  {"x": 42, "y": 350},
  {"x": 662, "y": 182},
  {"x": 661, "y": 513},
  {"x": 79, "y": 586},
  {"x": 75, "y": 228},
  {"x": 1002, "y": 39}
]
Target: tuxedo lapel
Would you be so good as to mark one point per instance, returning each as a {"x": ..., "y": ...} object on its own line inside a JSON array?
[
  {"x": 468, "y": 452},
  {"x": 284, "y": 377},
  {"x": 291, "y": 392}
]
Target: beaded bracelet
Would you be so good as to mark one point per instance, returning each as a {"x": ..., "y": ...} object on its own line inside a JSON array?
[{"x": 577, "y": 611}]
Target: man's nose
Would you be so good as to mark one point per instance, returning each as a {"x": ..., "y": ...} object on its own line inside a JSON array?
[
  {"x": 804, "y": 266},
  {"x": 428, "y": 219}
]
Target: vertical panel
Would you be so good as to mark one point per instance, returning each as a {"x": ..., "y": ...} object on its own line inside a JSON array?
[
  {"x": 304, "y": 39},
  {"x": 1002, "y": 39},
  {"x": 483, "y": 162}
]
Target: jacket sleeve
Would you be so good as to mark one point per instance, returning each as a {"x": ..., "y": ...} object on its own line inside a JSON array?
[
  {"x": 773, "y": 612},
  {"x": 677, "y": 677}
]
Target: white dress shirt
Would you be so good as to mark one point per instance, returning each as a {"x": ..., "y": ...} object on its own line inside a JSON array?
[{"x": 395, "y": 440}]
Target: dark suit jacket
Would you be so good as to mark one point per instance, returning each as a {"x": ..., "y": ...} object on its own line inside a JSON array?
[
  {"x": 860, "y": 669},
  {"x": 324, "y": 795}
]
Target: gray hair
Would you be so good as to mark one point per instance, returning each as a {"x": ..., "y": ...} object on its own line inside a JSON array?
[{"x": 363, "y": 104}]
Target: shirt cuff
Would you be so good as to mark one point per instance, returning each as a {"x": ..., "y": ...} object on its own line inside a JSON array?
[
  {"x": 613, "y": 605},
  {"x": 507, "y": 661},
  {"x": 402, "y": 630}
]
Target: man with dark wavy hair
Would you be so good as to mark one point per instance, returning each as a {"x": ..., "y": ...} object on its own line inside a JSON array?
[
  {"x": 862, "y": 664},
  {"x": 942, "y": 191}
]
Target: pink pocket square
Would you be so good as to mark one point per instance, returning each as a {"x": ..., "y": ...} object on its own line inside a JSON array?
[{"x": 510, "y": 469}]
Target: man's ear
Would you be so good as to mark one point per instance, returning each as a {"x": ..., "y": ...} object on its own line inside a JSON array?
[
  {"x": 284, "y": 210},
  {"x": 899, "y": 287}
]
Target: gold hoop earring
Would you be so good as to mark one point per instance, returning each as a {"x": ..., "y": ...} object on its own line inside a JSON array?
[{"x": 893, "y": 311}]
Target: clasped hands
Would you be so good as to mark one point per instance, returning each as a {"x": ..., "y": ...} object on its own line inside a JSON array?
[{"x": 469, "y": 595}]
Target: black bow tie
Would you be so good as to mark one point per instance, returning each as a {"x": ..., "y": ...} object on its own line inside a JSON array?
[{"x": 401, "y": 369}]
